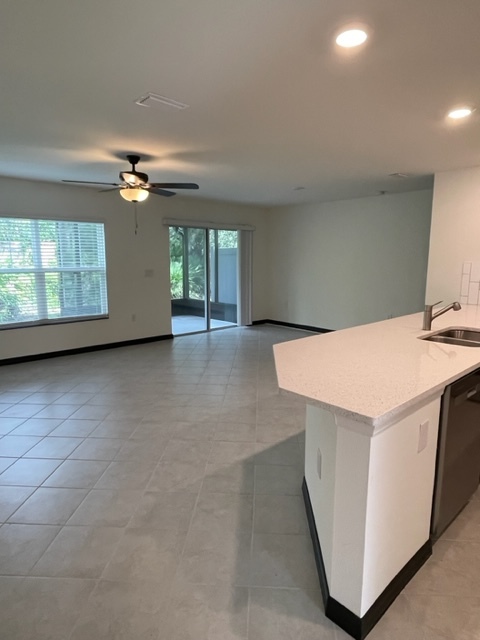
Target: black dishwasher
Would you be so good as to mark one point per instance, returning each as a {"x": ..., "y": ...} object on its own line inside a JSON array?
[{"x": 458, "y": 453}]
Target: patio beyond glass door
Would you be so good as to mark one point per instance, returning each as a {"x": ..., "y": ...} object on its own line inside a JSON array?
[
  {"x": 203, "y": 278},
  {"x": 223, "y": 277},
  {"x": 188, "y": 254}
]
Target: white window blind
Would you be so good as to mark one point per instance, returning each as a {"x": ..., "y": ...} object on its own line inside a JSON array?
[{"x": 51, "y": 271}]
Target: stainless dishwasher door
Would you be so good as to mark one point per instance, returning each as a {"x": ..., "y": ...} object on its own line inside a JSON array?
[{"x": 458, "y": 454}]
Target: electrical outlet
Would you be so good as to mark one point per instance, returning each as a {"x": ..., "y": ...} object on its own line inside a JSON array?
[
  {"x": 422, "y": 436},
  {"x": 319, "y": 464}
]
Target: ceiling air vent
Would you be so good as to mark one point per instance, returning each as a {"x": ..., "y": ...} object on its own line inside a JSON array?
[
  {"x": 153, "y": 99},
  {"x": 403, "y": 176}
]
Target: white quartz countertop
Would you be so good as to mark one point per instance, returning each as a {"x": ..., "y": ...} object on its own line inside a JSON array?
[{"x": 375, "y": 373}]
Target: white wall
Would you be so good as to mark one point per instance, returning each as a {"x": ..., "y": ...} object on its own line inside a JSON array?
[
  {"x": 329, "y": 265},
  {"x": 130, "y": 293},
  {"x": 455, "y": 234},
  {"x": 340, "y": 264}
]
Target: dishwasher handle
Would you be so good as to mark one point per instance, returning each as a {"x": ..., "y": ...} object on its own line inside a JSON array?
[{"x": 466, "y": 395}]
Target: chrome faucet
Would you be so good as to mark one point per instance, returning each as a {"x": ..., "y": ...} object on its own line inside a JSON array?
[{"x": 428, "y": 316}]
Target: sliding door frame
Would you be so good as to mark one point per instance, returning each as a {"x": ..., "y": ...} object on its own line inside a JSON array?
[{"x": 244, "y": 264}]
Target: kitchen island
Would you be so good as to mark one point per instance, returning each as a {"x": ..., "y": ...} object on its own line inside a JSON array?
[{"x": 374, "y": 395}]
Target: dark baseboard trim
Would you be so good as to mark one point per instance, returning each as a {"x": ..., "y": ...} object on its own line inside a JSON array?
[
  {"x": 292, "y": 325},
  {"x": 317, "y": 551},
  {"x": 74, "y": 352},
  {"x": 355, "y": 626}
]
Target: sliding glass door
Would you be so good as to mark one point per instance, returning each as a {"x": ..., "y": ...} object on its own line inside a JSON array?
[
  {"x": 223, "y": 277},
  {"x": 188, "y": 268},
  {"x": 203, "y": 277}
]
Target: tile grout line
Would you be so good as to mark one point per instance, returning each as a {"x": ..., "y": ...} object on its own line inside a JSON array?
[{"x": 253, "y": 505}]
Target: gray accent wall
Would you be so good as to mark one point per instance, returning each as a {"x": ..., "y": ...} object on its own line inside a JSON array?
[{"x": 339, "y": 264}]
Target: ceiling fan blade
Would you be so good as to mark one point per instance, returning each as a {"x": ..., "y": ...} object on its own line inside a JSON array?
[
  {"x": 161, "y": 192},
  {"x": 113, "y": 184},
  {"x": 110, "y": 189},
  {"x": 174, "y": 185}
]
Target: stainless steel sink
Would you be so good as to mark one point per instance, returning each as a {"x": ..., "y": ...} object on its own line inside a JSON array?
[{"x": 458, "y": 337}]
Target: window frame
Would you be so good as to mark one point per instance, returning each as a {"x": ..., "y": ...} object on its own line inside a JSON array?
[{"x": 40, "y": 272}]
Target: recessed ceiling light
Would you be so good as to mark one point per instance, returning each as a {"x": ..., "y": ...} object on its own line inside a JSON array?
[
  {"x": 351, "y": 38},
  {"x": 462, "y": 112}
]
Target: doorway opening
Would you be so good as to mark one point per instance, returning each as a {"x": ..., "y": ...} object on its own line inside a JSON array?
[{"x": 203, "y": 279}]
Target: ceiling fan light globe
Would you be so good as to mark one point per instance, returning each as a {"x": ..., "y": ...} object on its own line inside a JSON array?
[
  {"x": 460, "y": 113},
  {"x": 133, "y": 194},
  {"x": 351, "y": 38}
]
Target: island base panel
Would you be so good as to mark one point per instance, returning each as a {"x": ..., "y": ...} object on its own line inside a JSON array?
[{"x": 356, "y": 626}]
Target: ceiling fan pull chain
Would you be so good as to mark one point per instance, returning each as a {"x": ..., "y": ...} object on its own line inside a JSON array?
[{"x": 136, "y": 219}]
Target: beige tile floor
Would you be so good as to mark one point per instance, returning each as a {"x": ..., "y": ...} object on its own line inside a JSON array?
[{"x": 153, "y": 492}]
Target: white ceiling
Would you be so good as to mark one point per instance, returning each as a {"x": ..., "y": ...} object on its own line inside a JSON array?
[{"x": 273, "y": 103}]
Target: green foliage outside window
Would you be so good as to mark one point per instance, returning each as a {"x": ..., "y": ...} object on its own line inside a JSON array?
[
  {"x": 50, "y": 269},
  {"x": 191, "y": 242},
  {"x": 187, "y": 253}
]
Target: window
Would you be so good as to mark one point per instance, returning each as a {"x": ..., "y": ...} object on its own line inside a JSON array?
[{"x": 51, "y": 271}]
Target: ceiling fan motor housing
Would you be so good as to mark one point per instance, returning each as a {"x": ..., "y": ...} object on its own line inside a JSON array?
[{"x": 133, "y": 178}]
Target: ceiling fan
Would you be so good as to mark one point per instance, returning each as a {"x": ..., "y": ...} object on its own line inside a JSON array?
[{"x": 135, "y": 186}]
